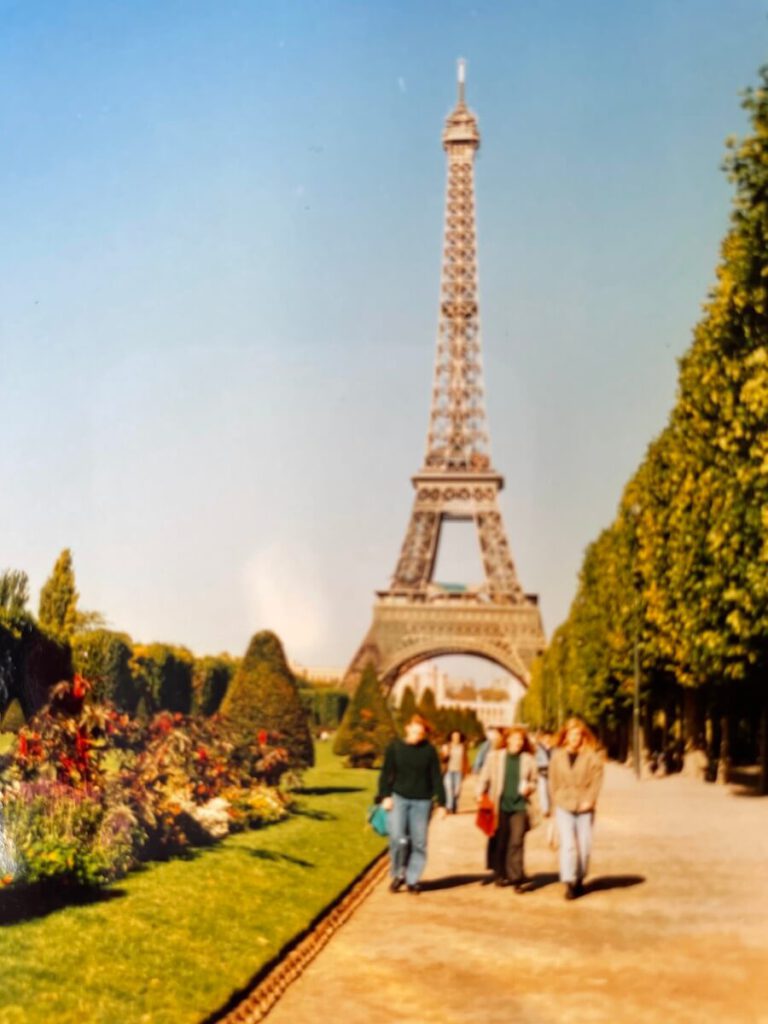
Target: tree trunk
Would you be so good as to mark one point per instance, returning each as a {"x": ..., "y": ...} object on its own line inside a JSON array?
[
  {"x": 694, "y": 756},
  {"x": 724, "y": 759},
  {"x": 763, "y": 782}
]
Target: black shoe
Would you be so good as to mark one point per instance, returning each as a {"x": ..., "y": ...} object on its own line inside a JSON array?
[
  {"x": 519, "y": 888},
  {"x": 395, "y": 884},
  {"x": 501, "y": 881},
  {"x": 578, "y": 888},
  {"x": 570, "y": 891},
  {"x": 415, "y": 888}
]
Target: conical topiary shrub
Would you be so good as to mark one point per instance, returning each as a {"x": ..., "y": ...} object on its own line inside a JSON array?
[
  {"x": 263, "y": 695},
  {"x": 13, "y": 718},
  {"x": 367, "y": 727}
]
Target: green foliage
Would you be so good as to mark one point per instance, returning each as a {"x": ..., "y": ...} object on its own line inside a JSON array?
[
  {"x": 14, "y": 592},
  {"x": 263, "y": 694},
  {"x": 210, "y": 678},
  {"x": 59, "y": 597},
  {"x": 407, "y": 708},
  {"x": 325, "y": 706},
  {"x": 163, "y": 676},
  {"x": 683, "y": 570},
  {"x": 62, "y": 835},
  {"x": 427, "y": 706},
  {"x": 367, "y": 728},
  {"x": 31, "y": 662},
  {"x": 105, "y": 659}
]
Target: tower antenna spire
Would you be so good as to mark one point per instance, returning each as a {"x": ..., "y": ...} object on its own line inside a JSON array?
[{"x": 461, "y": 71}]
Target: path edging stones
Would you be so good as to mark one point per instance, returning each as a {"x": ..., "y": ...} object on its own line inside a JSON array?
[{"x": 268, "y": 986}]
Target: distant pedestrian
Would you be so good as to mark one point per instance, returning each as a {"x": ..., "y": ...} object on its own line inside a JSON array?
[
  {"x": 410, "y": 779},
  {"x": 455, "y": 766},
  {"x": 575, "y": 777},
  {"x": 509, "y": 777},
  {"x": 542, "y": 753},
  {"x": 491, "y": 742}
]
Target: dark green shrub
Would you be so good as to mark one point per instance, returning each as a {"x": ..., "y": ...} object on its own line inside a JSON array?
[
  {"x": 367, "y": 727},
  {"x": 264, "y": 695}
]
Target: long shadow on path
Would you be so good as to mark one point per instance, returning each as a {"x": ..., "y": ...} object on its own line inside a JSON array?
[
  {"x": 605, "y": 882},
  {"x": 453, "y": 881}
]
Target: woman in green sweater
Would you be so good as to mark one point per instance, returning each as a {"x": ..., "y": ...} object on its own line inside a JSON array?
[
  {"x": 410, "y": 779},
  {"x": 509, "y": 776}
]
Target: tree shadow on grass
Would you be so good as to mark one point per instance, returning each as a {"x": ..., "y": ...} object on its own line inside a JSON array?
[
  {"x": 275, "y": 856},
  {"x": 326, "y": 790},
  {"x": 605, "y": 882},
  {"x": 309, "y": 812},
  {"x": 453, "y": 881},
  {"x": 31, "y": 902}
]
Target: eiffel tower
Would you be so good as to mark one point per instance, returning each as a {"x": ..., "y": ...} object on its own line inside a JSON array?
[{"x": 418, "y": 618}]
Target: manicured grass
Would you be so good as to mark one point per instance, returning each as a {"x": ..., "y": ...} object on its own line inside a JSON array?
[{"x": 173, "y": 941}]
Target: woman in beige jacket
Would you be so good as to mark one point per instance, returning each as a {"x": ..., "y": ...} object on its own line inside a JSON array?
[
  {"x": 575, "y": 777},
  {"x": 509, "y": 777}
]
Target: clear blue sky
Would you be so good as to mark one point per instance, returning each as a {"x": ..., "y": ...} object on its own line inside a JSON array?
[{"x": 221, "y": 231}]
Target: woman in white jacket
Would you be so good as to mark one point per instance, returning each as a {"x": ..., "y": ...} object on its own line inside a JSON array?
[{"x": 509, "y": 777}]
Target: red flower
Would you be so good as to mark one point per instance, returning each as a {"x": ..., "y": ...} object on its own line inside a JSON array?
[
  {"x": 262, "y": 736},
  {"x": 202, "y": 754},
  {"x": 23, "y": 748},
  {"x": 80, "y": 687}
]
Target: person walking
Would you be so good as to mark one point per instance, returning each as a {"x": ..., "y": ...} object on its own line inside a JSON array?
[
  {"x": 409, "y": 781},
  {"x": 542, "y": 753},
  {"x": 509, "y": 777},
  {"x": 454, "y": 753},
  {"x": 491, "y": 742},
  {"x": 575, "y": 777}
]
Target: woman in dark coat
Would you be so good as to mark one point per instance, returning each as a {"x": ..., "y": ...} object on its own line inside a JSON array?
[{"x": 410, "y": 779}]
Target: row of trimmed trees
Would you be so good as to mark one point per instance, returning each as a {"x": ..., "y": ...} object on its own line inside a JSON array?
[
  {"x": 679, "y": 580},
  {"x": 259, "y": 691}
]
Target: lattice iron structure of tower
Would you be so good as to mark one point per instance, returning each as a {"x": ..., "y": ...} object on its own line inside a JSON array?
[{"x": 416, "y": 617}]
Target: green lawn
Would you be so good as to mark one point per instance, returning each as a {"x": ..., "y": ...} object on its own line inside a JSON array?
[{"x": 174, "y": 940}]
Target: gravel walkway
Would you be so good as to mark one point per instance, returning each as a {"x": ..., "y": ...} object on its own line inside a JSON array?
[{"x": 674, "y": 926}]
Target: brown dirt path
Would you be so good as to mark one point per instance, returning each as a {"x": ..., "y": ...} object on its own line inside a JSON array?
[{"x": 674, "y": 929}]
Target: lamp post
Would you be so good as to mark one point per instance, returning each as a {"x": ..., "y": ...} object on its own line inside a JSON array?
[
  {"x": 636, "y": 709},
  {"x": 635, "y": 510}
]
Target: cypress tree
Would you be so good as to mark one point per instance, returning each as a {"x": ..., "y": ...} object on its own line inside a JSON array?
[
  {"x": 367, "y": 728},
  {"x": 58, "y": 598},
  {"x": 407, "y": 708},
  {"x": 264, "y": 694}
]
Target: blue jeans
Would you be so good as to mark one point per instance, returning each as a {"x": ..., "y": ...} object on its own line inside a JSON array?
[
  {"x": 408, "y": 824},
  {"x": 452, "y": 782},
  {"x": 544, "y": 793},
  {"x": 575, "y": 843}
]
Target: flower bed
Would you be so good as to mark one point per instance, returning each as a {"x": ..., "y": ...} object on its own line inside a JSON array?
[{"x": 89, "y": 792}]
